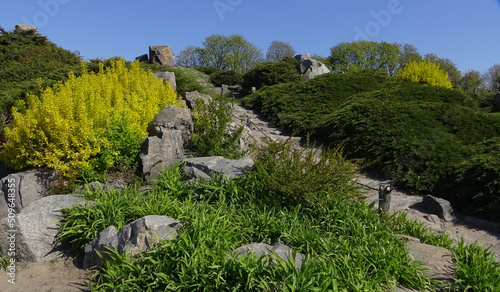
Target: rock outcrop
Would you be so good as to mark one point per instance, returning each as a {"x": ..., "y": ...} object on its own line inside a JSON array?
[
  {"x": 136, "y": 237},
  {"x": 161, "y": 55},
  {"x": 310, "y": 67},
  {"x": 168, "y": 76},
  {"x": 24, "y": 27},
  {"x": 170, "y": 118},
  {"x": 36, "y": 228},
  {"x": 439, "y": 207},
  {"x": 142, "y": 58},
  {"x": 191, "y": 97},
  {"x": 28, "y": 186},
  {"x": 204, "y": 167}
]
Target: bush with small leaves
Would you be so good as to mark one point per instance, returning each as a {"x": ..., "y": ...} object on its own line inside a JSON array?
[{"x": 425, "y": 72}]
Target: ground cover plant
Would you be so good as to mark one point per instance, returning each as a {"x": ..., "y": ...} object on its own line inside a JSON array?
[
  {"x": 347, "y": 245},
  {"x": 422, "y": 136}
]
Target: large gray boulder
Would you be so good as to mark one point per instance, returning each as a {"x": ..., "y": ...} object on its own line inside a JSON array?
[
  {"x": 310, "y": 67},
  {"x": 204, "y": 167},
  {"x": 191, "y": 97},
  {"x": 24, "y": 27},
  {"x": 36, "y": 228},
  {"x": 159, "y": 153},
  {"x": 161, "y": 55},
  {"x": 173, "y": 117},
  {"x": 27, "y": 187},
  {"x": 496, "y": 103},
  {"x": 168, "y": 76},
  {"x": 260, "y": 249},
  {"x": 136, "y": 237},
  {"x": 142, "y": 58},
  {"x": 439, "y": 207},
  {"x": 437, "y": 261}
]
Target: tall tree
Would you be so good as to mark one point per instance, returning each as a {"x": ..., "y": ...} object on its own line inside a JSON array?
[
  {"x": 366, "y": 55},
  {"x": 229, "y": 53},
  {"x": 278, "y": 50},
  {"x": 189, "y": 57},
  {"x": 493, "y": 77},
  {"x": 472, "y": 81},
  {"x": 454, "y": 75},
  {"x": 409, "y": 53}
]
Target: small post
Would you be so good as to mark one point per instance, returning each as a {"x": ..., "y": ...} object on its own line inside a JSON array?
[{"x": 384, "y": 197}]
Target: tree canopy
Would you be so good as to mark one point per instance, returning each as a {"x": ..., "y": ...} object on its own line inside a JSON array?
[{"x": 278, "y": 50}]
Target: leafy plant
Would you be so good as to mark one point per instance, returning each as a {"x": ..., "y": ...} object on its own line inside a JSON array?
[
  {"x": 212, "y": 135},
  {"x": 66, "y": 126},
  {"x": 425, "y": 72},
  {"x": 270, "y": 73},
  {"x": 225, "y": 77},
  {"x": 307, "y": 176}
]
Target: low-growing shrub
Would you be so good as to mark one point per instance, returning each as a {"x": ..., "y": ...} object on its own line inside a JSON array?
[
  {"x": 212, "y": 134},
  {"x": 270, "y": 73},
  {"x": 306, "y": 176},
  {"x": 66, "y": 126},
  {"x": 225, "y": 77}
]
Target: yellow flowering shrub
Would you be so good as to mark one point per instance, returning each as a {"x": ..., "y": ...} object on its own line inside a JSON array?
[
  {"x": 65, "y": 126},
  {"x": 426, "y": 72}
]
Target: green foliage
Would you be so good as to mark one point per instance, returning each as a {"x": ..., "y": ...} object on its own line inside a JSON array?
[
  {"x": 358, "y": 55},
  {"x": 229, "y": 53},
  {"x": 420, "y": 135},
  {"x": 26, "y": 56},
  {"x": 303, "y": 106},
  {"x": 347, "y": 245},
  {"x": 225, "y": 77},
  {"x": 454, "y": 75},
  {"x": 122, "y": 152},
  {"x": 478, "y": 179},
  {"x": 208, "y": 70},
  {"x": 306, "y": 176},
  {"x": 66, "y": 126},
  {"x": 271, "y": 73},
  {"x": 425, "y": 72},
  {"x": 477, "y": 269},
  {"x": 212, "y": 135}
]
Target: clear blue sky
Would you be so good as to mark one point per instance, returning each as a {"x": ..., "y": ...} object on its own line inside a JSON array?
[{"x": 464, "y": 31}]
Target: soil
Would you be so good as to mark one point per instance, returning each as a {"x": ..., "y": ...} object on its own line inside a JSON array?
[{"x": 57, "y": 276}]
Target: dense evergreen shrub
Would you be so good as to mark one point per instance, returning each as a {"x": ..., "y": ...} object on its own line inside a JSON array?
[
  {"x": 270, "y": 73},
  {"x": 225, "y": 77},
  {"x": 67, "y": 125},
  {"x": 25, "y": 57},
  {"x": 303, "y": 106},
  {"x": 208, "y": 70}
]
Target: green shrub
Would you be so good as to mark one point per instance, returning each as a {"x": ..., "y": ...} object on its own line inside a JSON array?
[
  {"x": 208, "y": 70},
  {"x": 306, "y": 176},
  {"x": 25, "y": 57},
  {"x": 426, "y": 72},
  {"x": 477, "y": 179},
  {"x": 225, "y": 77},
  {"x": 304, "y": 106},
  {"x": 270, "y": 73},
  {"x": 66, "y": 126},
  {"x": 212, "y": 134}
]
